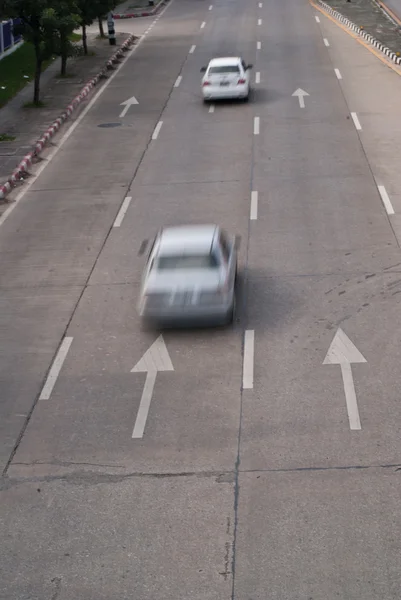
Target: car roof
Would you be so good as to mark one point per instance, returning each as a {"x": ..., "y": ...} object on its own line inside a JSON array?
[
  {"x": 186, "y": 239},
  {"x": 226, "y": 60}
]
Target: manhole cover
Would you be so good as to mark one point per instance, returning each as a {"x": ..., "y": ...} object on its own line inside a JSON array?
[{"x": 110, "y": 125}]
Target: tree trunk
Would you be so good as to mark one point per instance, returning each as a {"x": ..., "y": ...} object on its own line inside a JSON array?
[
  {"x": 38, "y": 72},
  {"x": 84, "y": 40},
  {"x": 64, "y": 58},
  {"x": 101, "y": 29}
]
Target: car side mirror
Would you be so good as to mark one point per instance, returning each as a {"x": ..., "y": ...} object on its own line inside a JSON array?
[
  {"x": 237, "y": 242},
  {"x": 143, "y": 247},
  {"x": 203, "y": 70},
  {"x": 249, "y": 67}
]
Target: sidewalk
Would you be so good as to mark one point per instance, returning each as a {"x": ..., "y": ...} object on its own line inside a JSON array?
[{"x": 28, "y": 124}]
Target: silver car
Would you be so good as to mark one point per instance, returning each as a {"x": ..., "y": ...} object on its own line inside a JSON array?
[{"x": 190, "y": 274}]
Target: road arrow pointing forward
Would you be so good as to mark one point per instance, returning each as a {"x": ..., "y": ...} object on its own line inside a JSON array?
[
  {"x": 301, "y": 96},
  {"x": 155, "y": 359},
  {"x": 343, "y": 352},
  {"x": 128, "y": 104}
]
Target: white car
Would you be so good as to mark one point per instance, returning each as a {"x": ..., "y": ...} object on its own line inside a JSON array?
[
  {"x": 190, "y": 274},
  {"x": 226, "y": 78}
]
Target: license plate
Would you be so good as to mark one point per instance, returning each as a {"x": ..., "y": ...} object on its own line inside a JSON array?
[{"x": 224, "y": 83}]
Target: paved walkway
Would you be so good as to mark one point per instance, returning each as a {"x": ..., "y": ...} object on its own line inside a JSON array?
[{"x": 28, "y": 124}]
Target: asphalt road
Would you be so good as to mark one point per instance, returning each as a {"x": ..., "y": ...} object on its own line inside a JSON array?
[{"x": 262, "y": 472}]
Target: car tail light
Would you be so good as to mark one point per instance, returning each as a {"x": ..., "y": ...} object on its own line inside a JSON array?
[
  {"x": 241, "y": 81},
  {"x": 206, "y": 83}
]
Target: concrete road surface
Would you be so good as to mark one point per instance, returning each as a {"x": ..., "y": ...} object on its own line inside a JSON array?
[{"x": 269, "y": 465}]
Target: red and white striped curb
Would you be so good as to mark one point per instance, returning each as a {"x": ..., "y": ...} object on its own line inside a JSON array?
[
  {"x": 389, "y": 53},
  {"x": 146, "y": 13},
  {"x": 22, "y": 169}
]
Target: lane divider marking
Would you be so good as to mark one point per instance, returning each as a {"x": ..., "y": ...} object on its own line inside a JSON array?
[
  {"x": 338, "y": 74},
  {"x": 178, "y": 81},
  {"x": 156, "y": 132},
  {"x": 56, "y": 368},
  {"x": 248, "y": 363},
  {"x": 254, "y": 206},
  {"x": 386, "y": 200},
  {"x": 256, "y": 124},
  {"x": 121, "y": 213},
  {"x": 356, "y": 121}
]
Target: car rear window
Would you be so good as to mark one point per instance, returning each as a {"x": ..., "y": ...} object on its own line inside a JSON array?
[
  {"x": 224, "y": 69},
  {"x": 199, "y": 261}
]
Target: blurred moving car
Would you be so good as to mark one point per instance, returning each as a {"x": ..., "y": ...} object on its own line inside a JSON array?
[
  {"x": 190, "y": 274},
  {"x": 227, "y": 77}
]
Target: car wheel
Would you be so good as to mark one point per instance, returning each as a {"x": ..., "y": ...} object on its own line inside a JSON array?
[{"x": 231, "y": 314}]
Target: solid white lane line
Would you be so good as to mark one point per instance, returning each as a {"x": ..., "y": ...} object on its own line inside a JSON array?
[
  {"x": 254, "y": 206},
  {"x": 157, "y": 130},
  {"x": 317, "y": 19},
  {"x": 326, "y": 42},
  {"x": 258, "y": 45},
  {"x": 203, "y": 25},
  {"x": 211, "y": 108},
  {"x": 74, "y": 125},
  {"x": 249, "y": 352},
  {"x": 178, "y": 81},
  {"x": 338, "y": 74},
  {"x": 257, "y": 77},
  {"x": 259, "y": 21},
  {"x": 386, "y": 200},
  {"x": 356, "y": 121},
  {"x": 122, "y": 211},
  {"x": 56, "y": 368},
  {"x": 256, "y": 123},
  {"x": 192, "y": 50}
]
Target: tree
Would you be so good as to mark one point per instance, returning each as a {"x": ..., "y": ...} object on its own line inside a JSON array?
[
  {"x": 35, "y": 32},
  {"x": 89, "y": 10},
  {"x": 61, "y": 22}
]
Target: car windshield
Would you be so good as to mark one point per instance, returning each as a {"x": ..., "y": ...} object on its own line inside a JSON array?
[
  {"x": 223, "y": 69},
  {"x": 188, "y": 261}
]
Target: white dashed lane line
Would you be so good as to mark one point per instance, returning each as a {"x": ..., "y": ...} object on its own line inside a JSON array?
[
  {"x": 256, "y": 123},
  {"x": 356, "y": 121},
  {"x": 257, "y": 77},
  {"x": 386, "y": 200},
  {"x": 249, "y": 351},
  {"x": 157, "y": 130},
  {"x": 326, "y": 42},
  {"x": 122, "y": 211},
  {"x": 203, "y": 24},
  {"x": 192, "y": 49},
  {"x": 258, "y": 45},
  {"x": 254, "y": 206},
  {"x": 317, "y": 19},
  {"x": 338, "y": 74},
  {"x": 56, "y": 368},
  {"x": 178, "y": 81}
]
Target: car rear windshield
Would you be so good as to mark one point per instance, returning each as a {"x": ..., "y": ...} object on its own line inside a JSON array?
[
  {"x": 198, "y": 261},
  {"x": 223, "y": 69}
]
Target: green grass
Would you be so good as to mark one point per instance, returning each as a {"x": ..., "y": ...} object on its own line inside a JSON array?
[
  {"x": 4, "y": 137},
  {"x": 75, "y": 37},
  {"x": 16, "y": 70}
]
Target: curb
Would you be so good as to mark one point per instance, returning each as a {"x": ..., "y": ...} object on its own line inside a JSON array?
[
  {"x": 136, "y": 15},
  {"x": 389, "y": 53},
  {"x": 22, "y": 169}
]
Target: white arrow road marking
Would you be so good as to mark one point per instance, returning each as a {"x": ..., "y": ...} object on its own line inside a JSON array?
[
  {"x": 300, "y": 93},
  {"x": 343, "y": 352},
  {"x": 56, "y": 368},
  {"x": 155, "y": 359},
  {"x": 128, "y": 103}
]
